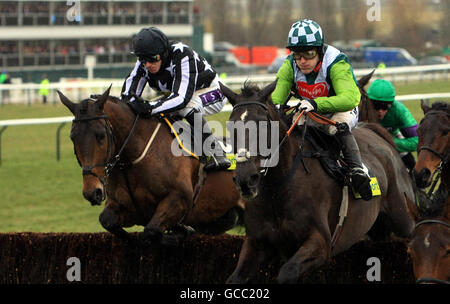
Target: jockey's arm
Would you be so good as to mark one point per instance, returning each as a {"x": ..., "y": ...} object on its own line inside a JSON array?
[
  {"x": 135, "y": 83},
  {"x": 182, "y": 90},
  {"x": 285, "y": 77},
  {"x": 347, "y": 92},
  {"x": 407, "y": 126},
  {"x": 407, "y": 144}
]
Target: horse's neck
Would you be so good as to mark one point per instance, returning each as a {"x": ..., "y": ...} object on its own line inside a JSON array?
[
  {"x": 122, "y": 121},
  {"x": 276, "y": 175}
]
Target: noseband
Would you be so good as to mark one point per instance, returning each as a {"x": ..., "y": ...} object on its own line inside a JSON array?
[{"x": 427, "y": 279}]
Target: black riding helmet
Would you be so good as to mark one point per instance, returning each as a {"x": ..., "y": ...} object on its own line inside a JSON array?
[{"x": 150, "y": 42}]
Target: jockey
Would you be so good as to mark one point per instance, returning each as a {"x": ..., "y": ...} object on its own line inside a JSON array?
[
  {"x": 322, "y": 77},
  {"x": 396, "y": 118},
  {"x": 190, "y": 84}
]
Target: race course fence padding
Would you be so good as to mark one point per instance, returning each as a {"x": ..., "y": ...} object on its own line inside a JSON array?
[{"x": 42, "y": 258}]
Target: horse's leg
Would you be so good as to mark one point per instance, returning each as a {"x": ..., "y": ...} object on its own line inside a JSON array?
[
  {"x": 168, "y": 214},
  {"x": 313, "y": 253},
  {"x": 250, "y": 258},
  {"x": 110, "y": 220},
  {"x": 399, "y": 209}
]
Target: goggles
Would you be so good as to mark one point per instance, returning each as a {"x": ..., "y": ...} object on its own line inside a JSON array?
[
  {"x": 151, "y": 58},
  {"x": 306, "y": 54},
  {"x": 380, "y": 105}
]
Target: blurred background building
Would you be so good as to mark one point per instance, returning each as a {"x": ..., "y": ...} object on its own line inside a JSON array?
[{"x": 58, "y": 37}]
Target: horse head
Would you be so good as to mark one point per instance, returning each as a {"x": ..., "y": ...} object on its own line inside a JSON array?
[
  {"x": 250, "y": 121},
  {"x": 429, "y": 249},
  {"x": 434, "y": 143},
  {"x": 92, "y": 137}
]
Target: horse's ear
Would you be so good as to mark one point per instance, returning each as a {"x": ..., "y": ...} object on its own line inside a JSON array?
[
  {"x": 425, "y": 105},
  {"x": 232, "y": 97},
  {"x": 102, "y": 99},
  {"x": 66, "y": 101},
  {"x": 266, "y": 91},
  {"x": 365, "y": 79}
]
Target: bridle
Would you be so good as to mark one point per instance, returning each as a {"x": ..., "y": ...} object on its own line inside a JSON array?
[
  {"x": 243, "y": 155},
  {"x": 87, "y": 170},
  {"x": 428, "y": 279},
  {"x": 110, "y": 160},
  {"x": 443, "y": 157}
]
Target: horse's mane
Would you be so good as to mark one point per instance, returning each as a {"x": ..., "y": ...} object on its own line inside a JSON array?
[
  {"x": 115, "y": 99},
  {"x": 249, "y": 89},
  {"x": 440, "y": 106},
  {"x": 380, "y": 130}
]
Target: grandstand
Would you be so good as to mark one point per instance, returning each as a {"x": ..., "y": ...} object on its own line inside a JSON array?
[{"x": 56, "y": 36}]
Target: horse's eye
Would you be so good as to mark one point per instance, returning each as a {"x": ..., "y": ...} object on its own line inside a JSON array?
[
  {"x": 445, "y": 132},
  {"x": 100, "y": 136}
]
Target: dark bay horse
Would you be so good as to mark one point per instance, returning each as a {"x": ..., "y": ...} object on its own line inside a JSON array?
[
  {"x": 152, "y": 188},
  {"x": 430, "y": 244},
  {"x": 367, "y": 112},
  {"x": 292, "y": 212}
]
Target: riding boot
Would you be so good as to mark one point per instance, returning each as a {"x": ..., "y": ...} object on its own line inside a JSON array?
[
  {"x": 359, "y": 178},
  {"x": 216, "y": 156}
]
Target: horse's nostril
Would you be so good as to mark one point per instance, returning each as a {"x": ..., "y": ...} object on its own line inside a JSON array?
[
  {"x": 253, "y": 181},
  {"x": 98, "y": 195},
  {"x": 422, "y": 178}
]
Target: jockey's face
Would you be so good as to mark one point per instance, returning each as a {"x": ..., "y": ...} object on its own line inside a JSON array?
[
  {"x": 307, "y": 65},
  {"x": 381, "y": 113},
  {"x": 153, "y": 67}
]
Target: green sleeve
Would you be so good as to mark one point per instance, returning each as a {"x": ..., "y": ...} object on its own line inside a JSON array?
[
  {"x": 406, "y": 144},
  {"x": 400, "y": 119},
  {"x": 285, "y": 77},
  {"x": 347, "y": 92}
]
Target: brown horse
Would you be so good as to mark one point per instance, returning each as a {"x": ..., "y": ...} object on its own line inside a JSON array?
[
  {"x": 294, "y": 209},
  {"x": 367, "y": 112},
  {"x": 430, "y": 243},
  {"x": 154, "y": 189}
]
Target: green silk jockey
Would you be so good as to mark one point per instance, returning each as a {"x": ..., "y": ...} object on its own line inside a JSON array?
[
  {"x": 396, "y": 118},
  {"x": 322, "y": 77}
]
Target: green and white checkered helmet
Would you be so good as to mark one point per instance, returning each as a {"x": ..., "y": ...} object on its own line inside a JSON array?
[{"x": 305, "y": 33}]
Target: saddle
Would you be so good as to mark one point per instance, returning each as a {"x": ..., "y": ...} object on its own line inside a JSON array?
[
  {"x": 328, "y": 150},
  {"x": 189, "y": 144}
]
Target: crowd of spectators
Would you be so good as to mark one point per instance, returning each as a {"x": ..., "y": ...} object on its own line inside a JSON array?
[
  {"x": 8, "y": 7},
  {"x": 59, "y": 8}
]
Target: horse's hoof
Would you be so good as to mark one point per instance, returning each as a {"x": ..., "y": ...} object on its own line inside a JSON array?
[
  {"x": 152, "y": 236},
  {"x": 170, "y": 241}
]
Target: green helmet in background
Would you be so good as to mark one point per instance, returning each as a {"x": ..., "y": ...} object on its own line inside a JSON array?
[
  {"x": 382, "y": 90},
  {"x": 305, "y": 33}
]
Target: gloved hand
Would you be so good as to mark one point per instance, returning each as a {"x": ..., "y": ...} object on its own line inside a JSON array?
[
  {"x": 139, "y": 99},
  {"x": 142, "y": 108},
  {"x": 307, "y": 105}
]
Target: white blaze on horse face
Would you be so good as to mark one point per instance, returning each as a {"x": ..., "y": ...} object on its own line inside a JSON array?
[
  {"x": 426, "y": 241},
  {"x": 244, "y": 115}
]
